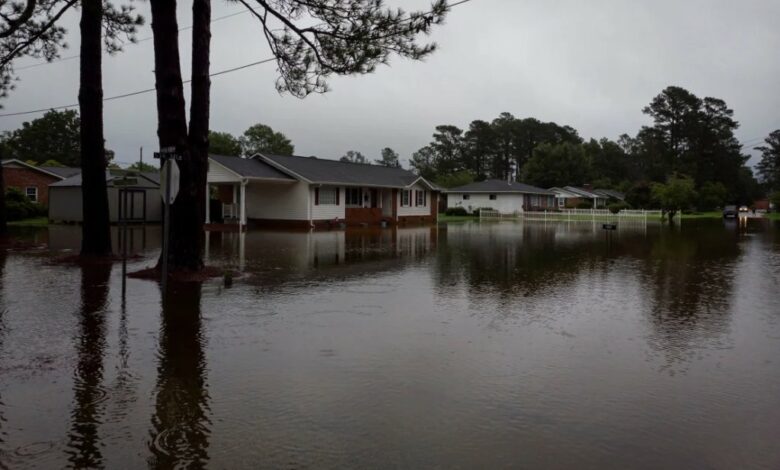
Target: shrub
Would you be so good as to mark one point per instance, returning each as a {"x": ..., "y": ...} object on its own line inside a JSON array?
[
  {"x": 616, "y": 207},
  {"x": 460, "y": 211},
  {"x": 18, "y": 206},
  {"x": 584, "y": 205}
]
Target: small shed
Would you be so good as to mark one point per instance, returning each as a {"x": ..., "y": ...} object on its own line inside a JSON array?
[{"x": 142, "y": 197}]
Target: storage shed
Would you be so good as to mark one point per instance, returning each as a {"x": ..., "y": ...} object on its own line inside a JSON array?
[{"x": 141, "y": 197}]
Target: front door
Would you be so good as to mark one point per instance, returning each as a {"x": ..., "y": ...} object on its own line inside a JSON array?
[
  {"x": 374, "y": 198},
  {"x": 132, "y": 205}
]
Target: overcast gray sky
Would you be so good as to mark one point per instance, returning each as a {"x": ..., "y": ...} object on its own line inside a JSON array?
[{"x": 590, "y": 64}]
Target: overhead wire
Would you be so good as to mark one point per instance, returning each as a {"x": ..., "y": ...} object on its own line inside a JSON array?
[{"x": 149, "y": 90}]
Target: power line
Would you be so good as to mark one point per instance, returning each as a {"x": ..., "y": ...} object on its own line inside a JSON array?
[
  {"x": 149, "y": 90},
  {"x": 148, "y": 38},
  {"x": 138, "y": 92}
]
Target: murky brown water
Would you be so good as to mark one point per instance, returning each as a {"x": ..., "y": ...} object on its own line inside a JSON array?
[{"x": 467, "y": 346}]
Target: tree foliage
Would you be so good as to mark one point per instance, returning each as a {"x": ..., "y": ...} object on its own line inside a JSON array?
[
  {"x": 314, "y": 39},
  {"x": 769, "y": 166},
  {"x": 144, "y": 167},
  {"x": 556, "y": 165},
  {"x": 454, "y": 180},
  {"x": 54, "y": 136},
  {"x": 260, "y": 138},
  {"x": 677, "y": 193},
  {"x": 33, "y": 28},
  {"x": 353, "y": 156},
  {"x": 389, "y": 158},
  {"x": 496, "y": 149},
  {"x": 224, "y": 143}
]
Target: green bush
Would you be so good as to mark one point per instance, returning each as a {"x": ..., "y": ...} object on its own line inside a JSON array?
[
  {"x": 616, "y": 207},
  {"x": 19, "y": 207},
  {"x": 459, "y": 211},
  {"x": 584, "y": 205}
]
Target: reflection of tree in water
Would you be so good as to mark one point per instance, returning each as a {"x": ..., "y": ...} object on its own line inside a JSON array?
[
  {"x": 3, "y": 432},
  {"x": 521, "y": 260},
  {"x": 689, "y": 277},
  {"x": 83, "y": 439},
  {"x": 180, "y": 424}
]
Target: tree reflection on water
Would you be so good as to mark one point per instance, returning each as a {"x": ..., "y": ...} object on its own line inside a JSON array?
[
  {"x": 180, "y": 423},
  {"x": 84, "y": 446}
]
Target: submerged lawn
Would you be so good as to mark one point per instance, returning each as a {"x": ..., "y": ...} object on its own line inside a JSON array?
[
  {"x": 456, "y": 218},
  {"x": 34, "y": 222}
]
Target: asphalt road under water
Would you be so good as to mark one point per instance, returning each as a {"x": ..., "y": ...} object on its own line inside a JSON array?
[{"x": 463, "y": 346}]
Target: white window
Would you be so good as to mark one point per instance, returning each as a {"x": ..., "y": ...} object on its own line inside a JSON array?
[
  {"x": 466, "y": 197},
  {"x": 493, "y": 197},
  {"x": 534, "y": 200},
  {"x": 32, "y": 193},
  {"x": 327, "y": 196},
  {"x": 419, "y": 197},
  {"x": 353, "y": 196},
  {"x": 561, "y": 202},
  {"x": 406, "y": 198}
]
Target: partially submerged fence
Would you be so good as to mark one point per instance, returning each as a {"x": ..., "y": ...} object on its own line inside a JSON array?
[{"x": 578, "y": 215}]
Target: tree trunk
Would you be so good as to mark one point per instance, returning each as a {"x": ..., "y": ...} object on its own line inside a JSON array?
[
  {"x": 96, "y": 230},
  {"x": 184, "y": 250},
  {"x": 3, "y": 223},
  {"x": 199, "y": 116}
]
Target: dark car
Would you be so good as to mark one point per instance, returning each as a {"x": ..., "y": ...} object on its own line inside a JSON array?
[{"x": 730, "y": 212}]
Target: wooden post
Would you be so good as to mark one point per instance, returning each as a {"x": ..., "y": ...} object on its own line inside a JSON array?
[{"x": 243, "y": 205}]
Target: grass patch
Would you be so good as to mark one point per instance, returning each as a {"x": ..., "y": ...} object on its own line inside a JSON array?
[
  {"x": 457, "y": 218},
  {"x": 703, "y": 215},
  {"x": 34, "y": 222},
  {"x": 773, "y": 216}
]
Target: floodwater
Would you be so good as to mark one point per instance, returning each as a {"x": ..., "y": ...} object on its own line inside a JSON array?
[{"x": 524, "y": 345}]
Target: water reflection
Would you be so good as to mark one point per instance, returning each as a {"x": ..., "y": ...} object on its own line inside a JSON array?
[
  {"x": 3, "y": 432},
  {"x": 274, "y": 258},
  {"x": 84, "y": 445},
  {"x": 689, "y": 280},
  {"x": 181, "y": 423}
]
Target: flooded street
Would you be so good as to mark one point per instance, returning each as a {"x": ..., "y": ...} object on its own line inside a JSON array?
[{"x": 525, "y": 345}]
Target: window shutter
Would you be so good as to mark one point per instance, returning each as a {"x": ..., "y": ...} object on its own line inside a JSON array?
[
  {"x": 316, "y": 196},
  {"x": 425, "y": 198},
  {"x": 414, "y": 196},
  {"x": 338, "y": 193}
]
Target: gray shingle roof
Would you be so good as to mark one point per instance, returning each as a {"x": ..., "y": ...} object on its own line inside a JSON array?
[
  {"x": 61, "y": 171},
  {"x": 145, "y": 180},
  {"x": 610, "y": 193},
  {"x": 499, "y": 186},
  {"x": 320, "y": 170},
  {"x": 250, "y": 168}
]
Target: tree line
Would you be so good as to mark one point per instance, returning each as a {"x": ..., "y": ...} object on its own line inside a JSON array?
[{"x": 690, "y": 138}]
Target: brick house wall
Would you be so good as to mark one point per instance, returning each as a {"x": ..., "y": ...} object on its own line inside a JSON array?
[{"x": 23, "y": 178}]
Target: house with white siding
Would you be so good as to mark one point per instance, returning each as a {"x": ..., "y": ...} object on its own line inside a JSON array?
[
  {"x": 506, "y": 197},
  {"x": 308, "y": 192}
]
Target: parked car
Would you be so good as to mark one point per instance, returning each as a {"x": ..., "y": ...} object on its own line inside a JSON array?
[{"x": 730, "y": 212}]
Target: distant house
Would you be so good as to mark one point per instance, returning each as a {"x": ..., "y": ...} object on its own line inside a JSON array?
[
  {"x": 141, "y": 198},
  {"x": 610, "y": 194},
  {"x": 308, "y": 191},
  {"x": 569, "y": 197},
  {"x": 504, "y": 196},
  {"x": 33, "y": 180}
]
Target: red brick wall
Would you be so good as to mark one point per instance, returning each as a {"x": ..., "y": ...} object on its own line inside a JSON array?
[{"x": 21, "y": 178}]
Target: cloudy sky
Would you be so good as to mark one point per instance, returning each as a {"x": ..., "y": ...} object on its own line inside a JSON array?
[{"x": 592, "y": 65}]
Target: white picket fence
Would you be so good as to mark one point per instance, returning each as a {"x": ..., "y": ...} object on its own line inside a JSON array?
[{"x": 578, "y": 215}]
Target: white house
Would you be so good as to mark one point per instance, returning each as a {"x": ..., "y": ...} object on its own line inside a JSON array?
[
  {"x": 507, "y": 197},
  {"x": 308, "y": 191}
]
